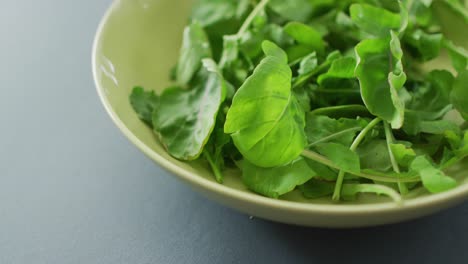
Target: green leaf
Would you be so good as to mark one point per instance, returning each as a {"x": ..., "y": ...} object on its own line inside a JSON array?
[
  {"x": 230, "y": 50},
  {"x": 342, "y": 68},
  {"x": 403, "y": 154},
  {"x": 426, "y": 46},
  {"x": 305, "y": 35},
  {"x": 374, "y": 155},
  {"x": 297, "y": 10},
  {"x": 185, "y": 118},
  {"x": 265, "y": 120},
  {"x": 340, "y": 155},
  {"x": 315, "y": 189},
  {"x": 144, "y": 103},
  {"x": 433, "y": 179},
  {"x": 458, "y": 8},
  {"x": 380, "y": 74},
  {"x": 321, "y": 129},
  {"x": 342, "y": 111},
  {"x": 458, "y": 55},
  {"x": 308, "y": 64},
  {"x": 438, "y": 127},
  {"x": 374, "y": 20},
  {"x": 349, "y": 191},
  {"x": 459, "y": 94},
  {"x": 274, "y": 182},
  {"x": 195, "y": 47},
  {"x": 209, "y": 12}
]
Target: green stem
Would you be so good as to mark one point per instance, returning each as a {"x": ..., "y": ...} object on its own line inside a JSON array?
[
  {"x": 389, "y": 137},
  {"x": 244, "y": 27},
  {"x": 333, "y": 136},
  {"x": 303, "y": 79},
  {"x": 251, "y": 17},
  {"x": 375, "y": 176},
  {"x": 214, "y": 167},
  {"x": 356, "y": 142}
]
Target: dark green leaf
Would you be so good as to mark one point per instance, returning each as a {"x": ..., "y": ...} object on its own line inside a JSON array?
[
  {"x": 315, "y": 189},
  {"x": 185, "y": 118},
  {"x": 195, "y": 47},
  {"x": 321, "y": 129},
  {"x": 144, "y": 103},
  {"x": 374, "y": 155}
]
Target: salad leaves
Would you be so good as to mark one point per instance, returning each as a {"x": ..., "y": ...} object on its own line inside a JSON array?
[{"x": 328, "y": 98}]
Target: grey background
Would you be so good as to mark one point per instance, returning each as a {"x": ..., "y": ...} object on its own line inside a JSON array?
[{"x": 74, "y": 190}]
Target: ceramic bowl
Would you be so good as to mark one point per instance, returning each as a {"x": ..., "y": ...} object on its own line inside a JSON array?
[{"x": 138, "y": 42}]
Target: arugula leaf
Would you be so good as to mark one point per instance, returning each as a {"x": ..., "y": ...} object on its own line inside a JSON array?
[
  {"x": 209, "y": 12},
  {"x": 432, "y": 178},
  {"x": 350, "y": 191},
  {"x": 320, "y": 129},
  {"x": 374, "y": 20},
  {"x": 426, "y": 46},
  {"x": 185, "y": 119},
  {"x": 341, "y": 155},
  {"x": 380, "y": 74},
  {"x": 374, "y": 155},
  {"x": 274, "y": 182},
  {"x": 459, "y": 94},
  {"x": 265, "y": 120},
  {"x": 342, "y": 111},
  {"x": 315, "y": 189},
  {"x": 306, "y": 36},
  {"x": 297, "y": 10},
  {"x": 195, "y": 47},
  {"x": 308, "y": 64},
  {"x": 403, "y": 154},
  {"x": 144, "y": 103},
  {"x": 458, "y": 55}
]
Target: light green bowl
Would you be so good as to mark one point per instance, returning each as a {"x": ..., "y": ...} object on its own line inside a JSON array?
[{"x": 137, "y": 43}]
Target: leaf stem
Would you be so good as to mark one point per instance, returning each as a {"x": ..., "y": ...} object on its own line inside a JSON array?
[
  {"x": 214, "y": 167},
  {"x": 375, "y": 176},
  {"x": 389, "y": 137},
  {"x": 333, "y": 136},
  {"x": 251, "y": 17},
  {"x": 354, "y": 145}
]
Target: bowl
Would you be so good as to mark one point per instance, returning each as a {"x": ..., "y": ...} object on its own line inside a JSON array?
[{"x": 138, "y": 42}]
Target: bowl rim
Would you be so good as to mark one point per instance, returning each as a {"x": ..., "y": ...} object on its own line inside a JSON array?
[{"x": 456, "y": 194}]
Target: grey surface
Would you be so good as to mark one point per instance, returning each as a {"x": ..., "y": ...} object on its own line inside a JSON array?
[{"x": 74, "y": 190}]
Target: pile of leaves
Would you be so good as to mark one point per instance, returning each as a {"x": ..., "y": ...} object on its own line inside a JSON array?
[{"x": 326, "y": 96}]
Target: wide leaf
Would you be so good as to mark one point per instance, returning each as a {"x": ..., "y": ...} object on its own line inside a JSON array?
[
  {"x": 265, "y": 120},
  {"x": 432, "y": 178},
  {"x": 185, "y": 118},
  {"x": 374, "y": 20},
  {"x": 195, "y": 47},
  {"x": 274, "y": 182}
]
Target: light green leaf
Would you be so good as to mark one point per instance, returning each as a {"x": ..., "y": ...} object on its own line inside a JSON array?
[
  {"x": 265, "y": 120},
  {"x": 308, "y": 64},
  {"x": 296, "y": 10},
  {"x": 274, "y": 182},
  {"x": 195, "y": 47},
  {"x": 340, "y": 155},
  {"x": 432, "y": 178},
  {"x": 306, "y": 35},
  {"x": 185, "y": 119},
  {"x": 342, "y": 68},
  {"x": 380, "y": 74},
  {"x": 374, "y": 20},
  {"x": 403, "y": 154},
  {"x": 144, "y": 103}
]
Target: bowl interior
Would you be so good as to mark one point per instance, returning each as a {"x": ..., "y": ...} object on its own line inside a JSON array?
[{"x": 139, "y": 43}]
